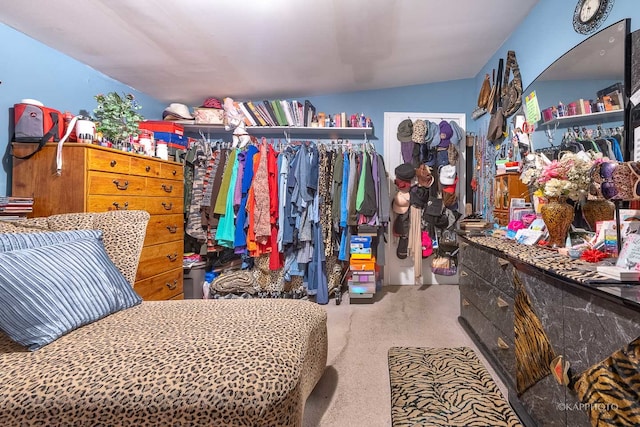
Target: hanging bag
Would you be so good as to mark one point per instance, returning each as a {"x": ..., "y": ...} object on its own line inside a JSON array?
[
  {"x": 491, "y": 100},
  {"x": 511, "y": 96},
  {"x": 485, "y": 91},
  {"x": 497, "y": 122}
]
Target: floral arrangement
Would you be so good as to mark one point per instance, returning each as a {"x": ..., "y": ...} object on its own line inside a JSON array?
[
  {"x": 566, "y": 177},
  {"x": 117, "y": 116}
]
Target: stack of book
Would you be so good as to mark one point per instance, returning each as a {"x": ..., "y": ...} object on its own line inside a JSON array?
[
  {"x": 278, "y": 112},
  {"x": 15, "y": 206}
]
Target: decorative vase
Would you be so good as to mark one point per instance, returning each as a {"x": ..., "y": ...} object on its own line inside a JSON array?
[
  {"x": 557, "y": 215},
  {"x": 598, "y": 210}
]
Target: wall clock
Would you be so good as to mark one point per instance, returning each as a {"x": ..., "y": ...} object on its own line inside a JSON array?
[{"x": 590, "y": 14}]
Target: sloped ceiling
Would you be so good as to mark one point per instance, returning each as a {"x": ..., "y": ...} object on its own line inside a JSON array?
[{"x": 187, "y": 50}]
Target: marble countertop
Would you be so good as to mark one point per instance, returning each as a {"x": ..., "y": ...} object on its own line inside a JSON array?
[{"x": 574, "y": 271}]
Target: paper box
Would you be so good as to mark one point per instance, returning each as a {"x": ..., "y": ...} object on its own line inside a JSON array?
[
  {"x": 362, "y": 264},
  {"x": 172, "y": 139},
  {"x": 360, "y": 247},
  {"x": 361, "y": 287},
  {"x": 209, "y": 116},
  {"x": 162, "y": 126}
]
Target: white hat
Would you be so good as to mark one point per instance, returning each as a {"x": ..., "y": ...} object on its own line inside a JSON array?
[
  {"x": 448, "y": 175},
  {"x": 178, "y": 110}
]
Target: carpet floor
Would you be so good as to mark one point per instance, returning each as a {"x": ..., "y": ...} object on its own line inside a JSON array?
[
  {"x": 354, "y": 390},
  {"x": 444, "y": 387}
]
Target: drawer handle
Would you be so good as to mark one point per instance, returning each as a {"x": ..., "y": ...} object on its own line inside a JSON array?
[
  {"x": 173, "y": 285},
  {"x": 172, "y": 228},
  {"x": 113, "y": 163},
  {"x": 502, "y": 303},
  {"x": 172, "y": 257},
  {"x": 174, "y": 172},
  {"x": 167, "y": 207},
  {"x": 123, "y": 208},
  {"x": 464, "y": 273},
  {"x": 121, "y": 187},
  {"x": 148, "y": 168},
  {"x": 502, "y": 344},
  {"x": 167, "y": 188},
  {"x": 465, "y": 302}
]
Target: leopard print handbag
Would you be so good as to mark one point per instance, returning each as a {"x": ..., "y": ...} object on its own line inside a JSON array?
[{"x": 511, "y": 90}]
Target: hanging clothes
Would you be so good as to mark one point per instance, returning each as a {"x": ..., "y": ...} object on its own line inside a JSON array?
[{"x": 240, "y": 236}]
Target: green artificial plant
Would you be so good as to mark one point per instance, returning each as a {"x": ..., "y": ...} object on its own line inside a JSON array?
[{"x": 117, "y": 116}]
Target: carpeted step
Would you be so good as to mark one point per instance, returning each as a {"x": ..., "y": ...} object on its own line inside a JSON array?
[{"x": 444, "y": 387}]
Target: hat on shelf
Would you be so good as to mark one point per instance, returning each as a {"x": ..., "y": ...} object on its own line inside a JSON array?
[
  {"x": 446, "y": 132},
  {"x": 212, "y": 102},
  {"x": 433, "y": 134},
  {"x": 177, "y": 111},
  {"x": 405, "y": 130},
  {"x": 448, "y": 175},
  {"x": 419, "y": 131},
  {"x": 405, "y": 172},
  {"x": 458, "y": 132}
]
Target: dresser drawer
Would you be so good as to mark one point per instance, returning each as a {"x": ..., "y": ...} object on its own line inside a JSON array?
[
  {"x": 117, "y": 184},
  {"x": 164, "y": 205},
  {"x": 145, "y": 167},
  {"x": 164, "y": 228},
  {"x": 159, "y": 258},
  {"x": 161, "y": 287},
  {"x": 497, "y": 271},
  {"x": 99, "y": 203},
  {"x": 494, "y": 304},
  {"x": 501, "y": 349},
  {"x": 108, "y": 161},
  {"x": 171, "y": 171},
  {"x": 160, "y": 187}
]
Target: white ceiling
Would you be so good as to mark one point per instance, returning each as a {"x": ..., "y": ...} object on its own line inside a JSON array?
[{"x": 187, "y": 50}]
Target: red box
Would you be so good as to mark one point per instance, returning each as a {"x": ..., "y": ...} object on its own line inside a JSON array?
[{"x": 162, "y": 126}]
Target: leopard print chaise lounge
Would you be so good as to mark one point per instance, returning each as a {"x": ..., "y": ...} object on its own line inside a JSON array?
[{"x": 182, "y": 363}]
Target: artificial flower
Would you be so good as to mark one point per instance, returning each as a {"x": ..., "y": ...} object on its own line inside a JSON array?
[{"x": 568, "y": 176}]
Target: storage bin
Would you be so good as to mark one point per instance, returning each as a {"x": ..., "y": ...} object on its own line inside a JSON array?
[
  {"x": 162, "y": 126},
  {"x": 193, "y": 281}
]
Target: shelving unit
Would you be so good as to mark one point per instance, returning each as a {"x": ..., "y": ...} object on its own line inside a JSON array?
[
  {"x": 331, "y": 132},
  {"x": 506, "y": 186},
  {"x": 600, "y": 117}
]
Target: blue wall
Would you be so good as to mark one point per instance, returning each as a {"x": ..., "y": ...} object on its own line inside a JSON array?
[
  {"x": 448, "y": 97},
  {"x": 545, "y": 35},
  {"x": 29, "y": 69},
  {"x": 66, "y": 84}
]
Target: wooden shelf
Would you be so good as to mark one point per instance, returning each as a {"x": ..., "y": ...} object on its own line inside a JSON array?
[
  {"x": 600, "y": 117},
  {"x": 330, "y": 132}
]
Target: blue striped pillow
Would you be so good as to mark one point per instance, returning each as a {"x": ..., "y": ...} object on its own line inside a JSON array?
[
  {"x": 48, "y": 291},
  {"x": 15, "y": 241}
]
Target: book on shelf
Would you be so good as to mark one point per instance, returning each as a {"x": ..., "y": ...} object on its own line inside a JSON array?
[
  {"x": 262, "y": 110},
  {"x": 277, "y": 108},
  {"x": 249, "y": 119},
  {"x": 286, "y": 107},
  {"x": 270, "y": 111},
  {"x": 309, "y": 112}
]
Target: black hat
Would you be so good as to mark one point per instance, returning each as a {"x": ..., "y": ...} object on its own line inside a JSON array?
[
  {"x": 405, "y": 131},
  {"x": 405, "y": 172}
]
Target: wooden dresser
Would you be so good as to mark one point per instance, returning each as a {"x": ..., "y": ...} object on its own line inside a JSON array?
[{"x": 98, "y": 179}]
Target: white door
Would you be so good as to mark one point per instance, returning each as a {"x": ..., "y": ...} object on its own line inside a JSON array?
[{"x": 400, "y": 271}]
